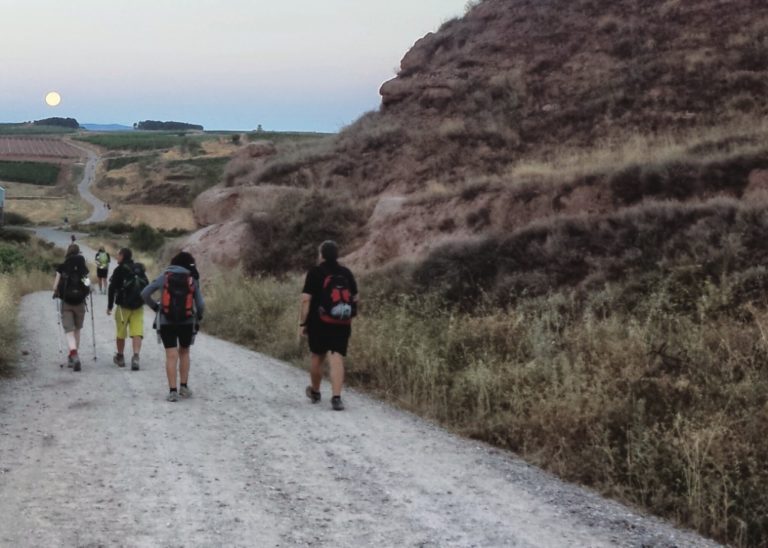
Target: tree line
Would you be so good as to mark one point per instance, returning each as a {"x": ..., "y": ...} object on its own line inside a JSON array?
[{"x": 154, "y": 125}]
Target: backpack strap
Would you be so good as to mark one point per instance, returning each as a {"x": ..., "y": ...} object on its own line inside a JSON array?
[{"x": 165, "y": 298}]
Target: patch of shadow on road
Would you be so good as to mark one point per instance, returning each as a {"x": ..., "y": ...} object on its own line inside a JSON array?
[
  {"x": 62, "y": 382},
  {"x": 81, "y": 404}
]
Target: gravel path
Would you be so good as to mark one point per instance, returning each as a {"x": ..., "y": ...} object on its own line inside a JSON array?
[
  {"x": 100, "y": 212},
  {"x": 99, "y": 458}
]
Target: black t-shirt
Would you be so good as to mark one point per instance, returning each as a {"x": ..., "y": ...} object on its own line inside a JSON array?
[{"x": 313, "y": 285}]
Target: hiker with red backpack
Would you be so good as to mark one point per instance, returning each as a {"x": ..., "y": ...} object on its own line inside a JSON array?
[
  {"x": 329, "y": 301},
  {"x": 125, "y": 286},
  {"x": 72, "y": 286},
  {"x": 179, "y": 313}
]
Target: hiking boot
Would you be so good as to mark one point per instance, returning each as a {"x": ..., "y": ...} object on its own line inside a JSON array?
[
  {"x": 71, "y": 361},
  {"x": 76, "y": 366},
  {"x": 313, "y": 396},
  {"x": 337, "y": 404},
  {"x": 119, "y": 360},
  {"x": 135, "y": 362},
  {"x": 173, "y": 396},
  {"x": 185, "y": 392}
]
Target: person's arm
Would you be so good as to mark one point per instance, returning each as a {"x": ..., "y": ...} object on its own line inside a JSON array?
[
  {"x": 355, "y": 293},
  {"x": 304, "y": 313},
  {"x": 56, "y": 285},
  {"x": 199, "y": 302},
  {"x": 146, "y": 294},
  {"x": 114, "y": 282},
  {"x": 304, "y": 304}
]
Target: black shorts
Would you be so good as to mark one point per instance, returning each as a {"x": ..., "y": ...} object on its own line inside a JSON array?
[
  {"x": 324, "y": 339},
  {"x": 175, "y": 336},
  {"x": 102, "y": 272}
]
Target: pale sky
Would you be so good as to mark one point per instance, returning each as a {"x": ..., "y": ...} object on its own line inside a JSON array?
[{"x": 227, "y": 64}]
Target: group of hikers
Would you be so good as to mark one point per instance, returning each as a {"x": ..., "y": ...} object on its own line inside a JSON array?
[{"x": 329, "y": 302}]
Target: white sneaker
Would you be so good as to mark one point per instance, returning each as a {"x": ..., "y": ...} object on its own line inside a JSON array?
[{"x": 185, "y": 392}]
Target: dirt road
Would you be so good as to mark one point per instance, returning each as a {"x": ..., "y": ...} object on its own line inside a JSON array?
[
  {"x": 100, "y": 212},
  {"x": 99, "y": 458}
]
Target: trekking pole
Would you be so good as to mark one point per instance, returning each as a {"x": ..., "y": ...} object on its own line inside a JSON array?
[
  {"x": 93, "y": 328},
  {"x": 59, "y": 329}
]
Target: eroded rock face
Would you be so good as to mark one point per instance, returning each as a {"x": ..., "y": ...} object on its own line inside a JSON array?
[
  {"x": 222, "y": 204},
  {"x": 219, "y": 247}
]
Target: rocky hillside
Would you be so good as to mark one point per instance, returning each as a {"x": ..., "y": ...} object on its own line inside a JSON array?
[{"x": 529, "y": 109}]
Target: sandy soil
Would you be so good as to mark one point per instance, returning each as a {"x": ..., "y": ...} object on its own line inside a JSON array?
[
  {"x": 99, "y": 458},
  {"x": 157, "y": 216}
]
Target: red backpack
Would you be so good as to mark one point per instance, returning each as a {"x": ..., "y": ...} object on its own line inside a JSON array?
[
  {"x": 178, "y": 297},
  {"x": 337, "y": 306}
]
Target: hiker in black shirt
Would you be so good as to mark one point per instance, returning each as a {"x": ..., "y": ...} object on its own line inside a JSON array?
[
  {"x": 125, "y": 287},
  {"x": 329, "y": 301},
  {"x": 72, "y": 287}
]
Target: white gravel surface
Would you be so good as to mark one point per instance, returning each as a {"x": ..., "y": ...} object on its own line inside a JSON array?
[{"x": 99, "y": 458}]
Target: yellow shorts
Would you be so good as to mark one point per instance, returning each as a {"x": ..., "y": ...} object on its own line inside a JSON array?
[{"x": 129, "y": 322}]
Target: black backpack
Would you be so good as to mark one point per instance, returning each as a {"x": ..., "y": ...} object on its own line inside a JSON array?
[
  {"x": 336, "y": 304},
  {"x": 178, "y": 297},
  {"x": 134, "y": 282},
  {"x": 72, "y": 288}
]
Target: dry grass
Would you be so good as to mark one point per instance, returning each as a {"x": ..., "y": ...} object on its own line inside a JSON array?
[
  {"x": 161, "y": 217},
  {"x": 658, "y": 408},
  {"x": 49, "y": 205},
  {"x": 32, "y": 273},
  {"x": 560, "y": 165}
]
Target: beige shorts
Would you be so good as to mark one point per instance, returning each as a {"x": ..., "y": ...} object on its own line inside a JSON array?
[{"x": 72, "y": 316}]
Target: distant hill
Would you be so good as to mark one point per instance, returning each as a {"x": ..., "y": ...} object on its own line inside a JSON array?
[
  {"x": 107, "y": 127},
  {"x": 154, "y": 125},
  {"x": 70, "y": 123}
]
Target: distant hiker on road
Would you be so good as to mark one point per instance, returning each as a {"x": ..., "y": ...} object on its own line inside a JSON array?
[
  {"x": 179, "y": 313},
  {"x": 72, "y": 287},
  {"x": 328, "y": 303},
  {"x": 125, "y": 286},
  {"x": 73, "y": 238},
  {"x": 102, "y": 269}
]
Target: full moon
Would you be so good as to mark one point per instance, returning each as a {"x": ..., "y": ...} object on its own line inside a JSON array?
[{"x": 52, "y": 99}]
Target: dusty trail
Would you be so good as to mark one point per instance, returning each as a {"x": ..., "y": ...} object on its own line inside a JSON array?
[
  {"x": 100, "y": 212},
  {"x": 100, "y": 459}
]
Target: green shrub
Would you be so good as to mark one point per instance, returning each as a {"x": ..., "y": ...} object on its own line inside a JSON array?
[
  {"x": 10, "y": 259},
  {"x": 118, "y": 163},
  {"x": 146, "y": 238},
  {"x": 288, "y": 237},
  {"x": 14, "y": 235},
  {"x": 17, "y": 219}
]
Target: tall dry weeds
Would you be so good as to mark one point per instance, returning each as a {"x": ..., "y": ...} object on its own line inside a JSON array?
[{"x": 656, "y": 407}]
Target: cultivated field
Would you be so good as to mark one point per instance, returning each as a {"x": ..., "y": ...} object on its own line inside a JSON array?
[{"x": 39, "y": 147}]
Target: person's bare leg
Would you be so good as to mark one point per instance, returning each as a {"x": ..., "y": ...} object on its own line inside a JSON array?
[
  {"x": 77, "y": 339},
  {"x": 337, "y": 372},
  {"x": 184, "y": 365},
  {"x": 136, "y": 345},
  {"x": 171, "y": 359},
  {"x": 316, "y": 371},
  {"x": 120, "y": 345},
  {"x": 71, "y": 341}
]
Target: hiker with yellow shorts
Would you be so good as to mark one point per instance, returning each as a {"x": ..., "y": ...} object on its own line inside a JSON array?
[{"x": 125, "y": 286}]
